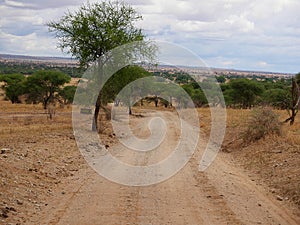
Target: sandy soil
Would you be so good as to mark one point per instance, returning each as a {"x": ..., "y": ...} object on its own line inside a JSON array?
[
  {"x": 45, "y": 180},
  {"x": 221, "y": 195}
]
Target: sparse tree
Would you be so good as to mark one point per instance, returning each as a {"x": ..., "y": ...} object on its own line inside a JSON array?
[
  {"x": 221, "y": 79},
  {"x": 13, "y": 86},
  {"x": 67, "y": 94},
  {"x": 93, "y": 31},
  {"x": 278, "y": 98},
  {"x": 42, "y": 86},
  {"x": 244, "y": 92},
  {"x": 118, "y": 81}
]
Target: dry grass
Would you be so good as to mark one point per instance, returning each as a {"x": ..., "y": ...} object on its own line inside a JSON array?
[
  {"x": 44, "y": 152},
  {"x": 274, "y": 159},
  {"x": 261, "y": 122},
  {"x": 40, "y": 153}
]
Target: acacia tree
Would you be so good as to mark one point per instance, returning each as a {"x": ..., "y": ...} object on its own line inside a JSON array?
[
  {"x": 119, "y": 80},
  {"x": 42, "y": 86},
  {"x": 13, "y": 86},
  {"x": 67, "y": 94},
  {"x": 244, "y": 92},
  {"x": 94, "y": 30}
]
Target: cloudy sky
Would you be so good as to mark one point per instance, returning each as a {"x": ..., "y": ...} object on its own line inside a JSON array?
[{"x": 240, "y": 34}]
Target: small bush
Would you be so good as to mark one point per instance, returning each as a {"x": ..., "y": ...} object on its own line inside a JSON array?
[{"x": 262, "y": 122}]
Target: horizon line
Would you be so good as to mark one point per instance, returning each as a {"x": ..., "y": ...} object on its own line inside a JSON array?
[{"x": 45, "y": 57}]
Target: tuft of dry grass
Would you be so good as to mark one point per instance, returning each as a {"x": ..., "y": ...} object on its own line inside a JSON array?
[{"x": 261, "y": 122}]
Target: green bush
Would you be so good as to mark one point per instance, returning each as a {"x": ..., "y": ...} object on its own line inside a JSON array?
[{"x": 261, "y": 122}]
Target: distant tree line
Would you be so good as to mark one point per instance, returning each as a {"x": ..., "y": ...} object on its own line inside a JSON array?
[
  {"x": 28, "y": 68},
  {"x": 46, "y": 86},
  {"x": 239, "y": 92},
  {"x": 50, "y": 86}
]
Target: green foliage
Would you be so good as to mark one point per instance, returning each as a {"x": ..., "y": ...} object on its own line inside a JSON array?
[
  {"x": 196, "y": 94},
  {"x": 262, "y": 122},
  {"x": 67, "y": 94},
  {"x": 243, "y": 92},
  {"x": 297, "y": 77},
  {"x": 238, "y": 92},
  {"x": 42, "y": 85},
  {"x": 95, "y": 29},
  {"x": 199, "y": 98},
  {"x": 13, "y": 87},
  {"x": 28, "y": 68},
  {"x": 221, "y": 79},
  {"x": 278, "y": 98},
  {"x": 91, "y": 32},
  {"x": 188, "y": 89},
  {"x": 163, "y": 91},
  {"x": 183, "y": 78},
  {"x": 119, "y": 80}
]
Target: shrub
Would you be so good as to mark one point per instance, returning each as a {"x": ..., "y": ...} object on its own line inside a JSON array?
[{"x": 262, "y": 122}]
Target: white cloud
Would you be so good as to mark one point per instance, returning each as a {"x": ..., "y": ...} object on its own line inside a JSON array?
[
  {"x": 240, "y": 23},
  {"x": 233, "y": 33},
  {"x": 262, "y": 64},
  {"x": 30, "y": 44},
  {"x": 45, "y": 4}
]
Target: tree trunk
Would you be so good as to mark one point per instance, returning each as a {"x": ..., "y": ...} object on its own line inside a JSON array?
[
  {"x": 295, "y": 102},
  {"x": 95, "y": 124},
  {"x": 95, "y": 120},
  {"x": 45, "y": 104},
  {"x": 156, "y": 101},
  {"x": 129, "y": 109},
  {"x": 99, "y": 71},
  {"x": 293, "y": 117}
]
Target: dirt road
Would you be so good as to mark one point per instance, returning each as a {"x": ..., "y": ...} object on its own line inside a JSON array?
[{"x": 223, "y": 194}]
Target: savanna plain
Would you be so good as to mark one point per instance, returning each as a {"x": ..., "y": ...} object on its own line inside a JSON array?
[{"x": 44, "y": 179}]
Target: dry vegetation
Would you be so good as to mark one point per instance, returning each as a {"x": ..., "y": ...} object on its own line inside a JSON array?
[
  {"x": 38, "y": 153},
  {"x": 274, "y": 159}
]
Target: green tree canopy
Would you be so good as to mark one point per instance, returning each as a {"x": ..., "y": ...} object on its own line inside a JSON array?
[
  {"x": 42, "y": 86},
  {"x": 221, "y": 79},
  {"x": 244, "y": 92},
  {"x": 196, "y": 94},
  {"x": 95, "y": 29},
  {"x": 91, "y": 32},
  {"x": 119, "y": 80},
  {"x": 279, "y": 98},
  {"x": 297, "y": 77},
  {"x": 13, "y": 87},
  {"x": 67, "y": 94}
]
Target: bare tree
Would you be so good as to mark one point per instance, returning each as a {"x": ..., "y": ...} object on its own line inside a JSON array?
[{"x": 295, "y": 102}]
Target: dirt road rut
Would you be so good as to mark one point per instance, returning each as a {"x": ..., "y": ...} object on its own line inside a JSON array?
[{"x": 223, "y": 194}]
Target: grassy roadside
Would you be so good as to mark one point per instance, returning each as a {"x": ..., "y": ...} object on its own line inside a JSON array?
[{"x": 273, "y": 159}]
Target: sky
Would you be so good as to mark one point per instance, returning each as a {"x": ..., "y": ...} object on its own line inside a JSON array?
[{"x": 260, "y": 35}]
